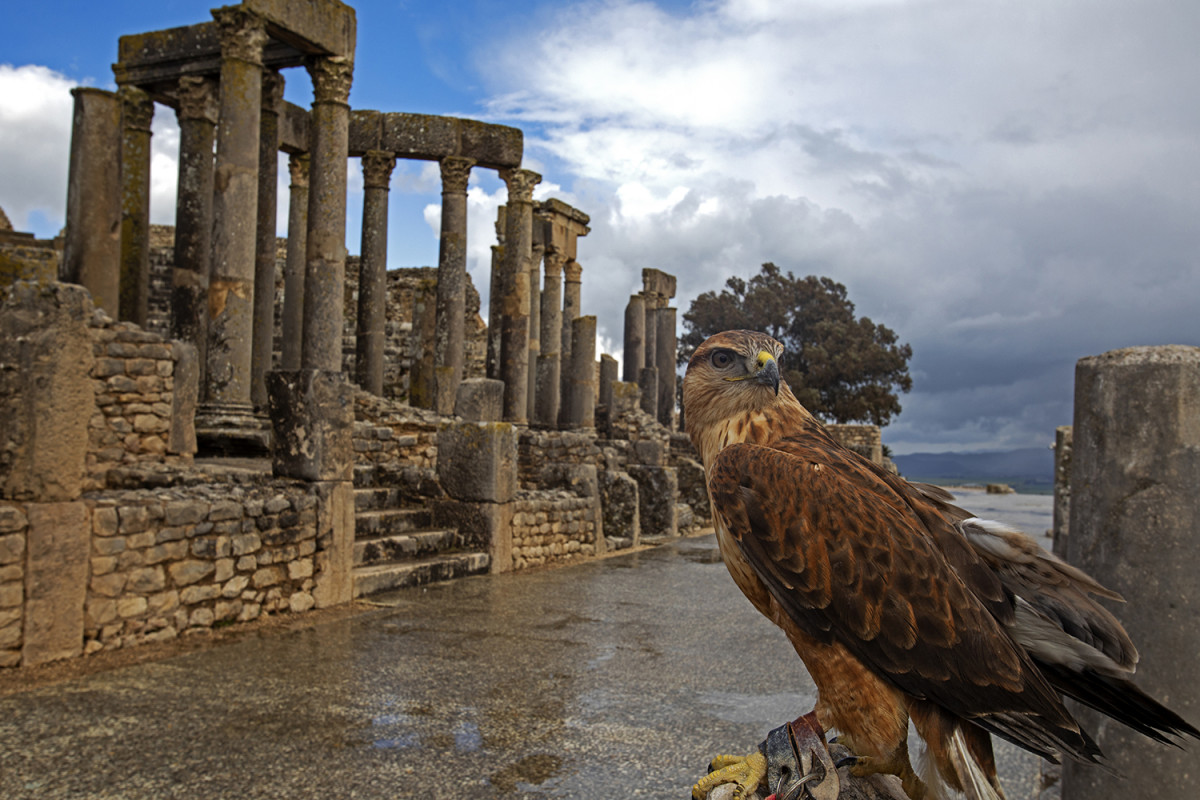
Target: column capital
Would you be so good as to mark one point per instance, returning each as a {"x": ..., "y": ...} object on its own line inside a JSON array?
[
  {"x": 377, "y": 166},
  {"x": 197, "y": 98},
  {"x": 242, "y": 34},
  {"x": 520, "y": 183},
  {"x": 137, "y": 109},
  {"x": 272, "y": 90},
  {"x": 331, "y": 77},
  {"x": 574, "y": 271},
  {"x": 298, "y": 169},
  {"x": 555, "y": 259},
  {"x": 456, "y": 171}
]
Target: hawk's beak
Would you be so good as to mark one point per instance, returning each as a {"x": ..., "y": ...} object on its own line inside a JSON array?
[{"x": 767, "y": 371}]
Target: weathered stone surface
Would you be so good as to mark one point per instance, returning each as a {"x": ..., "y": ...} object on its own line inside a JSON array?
[
  {"x": 334, "y": 560},
  {"x": 481, "y": 526},
  {"x": 477, "y": 461},
  {"x": 47, "y": 401},
  {"x": 657, "y": 489},
  {"x": 1063, "y": 447},
  {"x": 182, "y": 438},
  {"x": 480, "y": 400},
  {"x": 693, "y": 488},
  {"x": 55, "y": 581},
  {"x": 619, "y": 506},
  {"x": 1135, "y": 527},
  {"x": 312, "y": 418}
]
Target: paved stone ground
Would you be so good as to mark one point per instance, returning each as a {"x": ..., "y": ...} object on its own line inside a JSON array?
[{"x": 618, "y": 677}]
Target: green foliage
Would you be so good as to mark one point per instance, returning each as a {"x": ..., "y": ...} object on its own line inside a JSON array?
[{"x": 841, "y": 367}]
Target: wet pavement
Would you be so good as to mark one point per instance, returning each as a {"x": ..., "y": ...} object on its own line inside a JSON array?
[{"x": 618, "y": 677}]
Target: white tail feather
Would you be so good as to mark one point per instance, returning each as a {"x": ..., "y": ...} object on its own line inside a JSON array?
[{"x": 976, "y": 785}]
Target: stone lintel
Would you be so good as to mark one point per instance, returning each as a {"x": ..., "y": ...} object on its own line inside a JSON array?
[
  {"x": 315, "y": 27},
  {"x": 432, "y": 138},
  {"x": 657, "y": 282},
  {"x": 293, "y": 129}
]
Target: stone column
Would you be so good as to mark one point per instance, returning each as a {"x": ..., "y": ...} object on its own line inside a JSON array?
[
  {"x": 92, "y": 254},
  {"x": 493, "y": 334},
  {"x": 608, "y": 376},
  {"x": 648, "y": 377},
  {"x": 197, "y": 116},
  {"x": 535, "y": 315},
  {"x": 325, "y": 270},
  {"x": 581, "y": 399},
  {"x": 293, "y": 271},
  {"x": 635, "y": 336},
  {"x": 264, "y": 249},
  {"x": 547, "y": 401},
  {"x": 1135, "y": 527},
  {"x": 572, "y": 295},
  {"x": 450, "y": 343},
  {"x": 1062, "y": 490},
  {"x": 648, "y": 383},
  {"x": 372, "y": 271},
  {"x": 665, "y": 361},
  {"x": 235, "y": 209},
  {"x": 137, "y": 110},
  {"x": 514, "y": 294}
]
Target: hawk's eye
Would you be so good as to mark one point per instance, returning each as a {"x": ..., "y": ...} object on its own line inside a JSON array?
[{"x": 722, "y": 359}]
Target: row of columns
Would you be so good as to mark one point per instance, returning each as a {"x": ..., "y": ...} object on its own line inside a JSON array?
[{"x": 650, "y": 345}]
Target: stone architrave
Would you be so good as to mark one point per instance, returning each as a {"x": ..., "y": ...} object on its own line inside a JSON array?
[
  {"x": 137, "y": 111},
  {"x": 372, "y": 272},
  {"x": 264, "y": 249},
  {"x": 635, "y": 336},
  {"x": 197, "y": 116},
  {"x": 514, "y": 294},
  {"x": 293, "y": 271},
  {"x": 1135, "y": 527},
  {"x": 665, "y": 361},
  {"x": 92, "y": 251},
  {"x": 325, "y": 262},
  {"x": 450, "y": 341},
  {"x": 235, "y": 212},
  {"x": 581, "y": 398}
]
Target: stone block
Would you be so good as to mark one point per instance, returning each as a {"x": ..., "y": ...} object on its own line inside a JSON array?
[
  {"x": 481, "y": 526},
  {"x": 648, "y": 452},
  {"x": 477, "y": 461},
  {"x": 619, "y": 505},
  {"x": 182, "y": 436},
  {"x": 334, "y": 559},
  {"x": 658, "y": 490},
  {"x": 46, "y": 393},
  {"x": 480, "y": 400},
  {"x": 312, "y": 422},
  {"x": 55, "y": 581},
  {"x": 693, "y": 488}
]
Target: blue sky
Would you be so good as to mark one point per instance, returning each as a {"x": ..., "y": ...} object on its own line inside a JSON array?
[{"x": 1010, "y": 185}]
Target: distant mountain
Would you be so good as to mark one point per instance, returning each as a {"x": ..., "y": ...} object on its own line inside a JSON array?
[{"x": 1029, "y": 469}]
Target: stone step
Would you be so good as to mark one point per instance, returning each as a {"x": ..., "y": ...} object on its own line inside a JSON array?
[
  {"x": 377, "y": 499},
  {"x": 390, "y": 521},
  {"x": 380, "y": 577},
  {"x": 402, "y": 547}
]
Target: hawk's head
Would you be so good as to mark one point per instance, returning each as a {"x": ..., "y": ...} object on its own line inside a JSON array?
[{"x": 733, "y": 372}]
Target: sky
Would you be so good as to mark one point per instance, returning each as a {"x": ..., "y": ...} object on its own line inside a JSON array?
[{"x": 1009, "y": 185}]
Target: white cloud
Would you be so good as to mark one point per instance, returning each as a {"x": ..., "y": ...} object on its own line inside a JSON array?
[{"x": 35, "y": 138}]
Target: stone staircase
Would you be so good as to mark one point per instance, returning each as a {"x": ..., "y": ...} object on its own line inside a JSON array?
[{"x": 396, "y": 544}]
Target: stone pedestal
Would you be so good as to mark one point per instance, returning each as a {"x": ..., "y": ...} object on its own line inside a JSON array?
[
  {"x": 193, "y": 215},
  {"x": 480, "y": 400},
  {"x": 477, "y": 464},
  {"x": 92, "y": 251},
  {"x": 263, "y": 348},
  {"x": 293, "y": 271},
  {"x": 325, "y": 262},
  {"x": 450, "y": 347},
  {"x": 1135, "y": 527},
  {"x": 372, "y": 272},
  {"x": 137, "y": 110},
  {"x": 514, "y": 294},
  {"x": 312, "y": 418},
  {"x": 635, "y": 339}
]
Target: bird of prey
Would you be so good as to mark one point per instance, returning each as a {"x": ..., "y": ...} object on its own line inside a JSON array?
[{"x": 901, "y": 605}]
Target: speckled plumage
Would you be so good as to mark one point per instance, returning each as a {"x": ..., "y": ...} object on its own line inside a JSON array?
[{"x": 900, "y": 605}]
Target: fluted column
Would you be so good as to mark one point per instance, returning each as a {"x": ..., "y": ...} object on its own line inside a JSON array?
[
  {"x": 572, "y": 291},
  {"x": 325, "y": 264},
  {"x": 372, "y": 271},
  {"x": 635, "y": 339},
  {"x": 92, "y": 251},
  {"x": 197, "y": 116},
  {"x": 514, "y": 294},
  {"x": 293, "y": 270},
  {"x": 450, "y": 341},
  {"x": 137, "y": 111},
  {"x": 264, "y": 250},
  {"x": 235, "y": 211},
  {"x": 549, "y": 363}
]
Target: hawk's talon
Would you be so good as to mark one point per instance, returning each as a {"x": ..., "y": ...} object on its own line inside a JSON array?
[{"x": 746, "y": 771}]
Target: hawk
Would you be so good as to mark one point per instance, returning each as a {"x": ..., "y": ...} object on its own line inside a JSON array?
[{"x": 901, "y": 605}]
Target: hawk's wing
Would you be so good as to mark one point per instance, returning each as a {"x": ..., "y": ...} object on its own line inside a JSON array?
[{"x": 849, "y": 559}]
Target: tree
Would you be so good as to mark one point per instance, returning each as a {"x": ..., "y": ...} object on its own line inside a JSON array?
[{"x": 841, "y": 367}]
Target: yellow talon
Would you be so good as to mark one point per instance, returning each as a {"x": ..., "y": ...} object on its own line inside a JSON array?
[{"x": 746, "y": 771}]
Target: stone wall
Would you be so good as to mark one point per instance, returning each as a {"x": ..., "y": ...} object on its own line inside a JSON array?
[
  {"x": 536, "y": 450},
  {"x": 550, "y": 526},
  {"x": 865, "y": 440},
  {"x": 13, "y": 528},
  {"x": 25, "y": 258}
]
